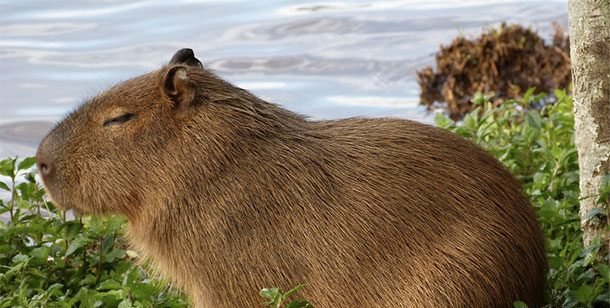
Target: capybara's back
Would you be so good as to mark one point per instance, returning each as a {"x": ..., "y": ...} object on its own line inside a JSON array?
[
  {"x": 227, "y": 194},
  {"x": 431, "y": 219}
]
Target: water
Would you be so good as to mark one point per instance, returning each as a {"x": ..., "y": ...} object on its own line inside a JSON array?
[{"x": 322, "y": 59}]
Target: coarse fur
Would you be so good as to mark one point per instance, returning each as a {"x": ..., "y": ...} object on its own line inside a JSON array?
[{"x": 226, "y": 194}]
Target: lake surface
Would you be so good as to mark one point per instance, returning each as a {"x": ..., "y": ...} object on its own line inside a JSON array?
[{"x": 322, "y": 59}]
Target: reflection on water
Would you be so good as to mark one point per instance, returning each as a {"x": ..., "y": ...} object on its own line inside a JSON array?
[{"x": 325, "y": 60}]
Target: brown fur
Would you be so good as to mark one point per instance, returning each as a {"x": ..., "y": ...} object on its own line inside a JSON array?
[{"x": 226, "y": 194}]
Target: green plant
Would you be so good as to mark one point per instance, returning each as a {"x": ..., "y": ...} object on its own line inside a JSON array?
[
  {"x": 538, "y": 147},
  {"x": 276, "y": 298}
]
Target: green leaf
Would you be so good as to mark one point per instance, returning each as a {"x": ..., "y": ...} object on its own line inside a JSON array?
[
  {"x": 111, "y": 298},
  {"x": 471, "y": 122},
  {"x": 126, "y": 303},
  {"x": 4, "y": 186},
  {"x": 20, "y": 258},
  {"x": 299, "y": 304},
  {"x": 114, "y": 254},
  {"x": 27, "y": 190},
  {"x": 40, "y": 253},
  {"x": 109, "y": 284},
  {"x": 604, "y": 270},
  {"x": 88, "y": 298},
  {"x": 96, "y": 224},
  {"x": 72, "y": 229},
  {"x": 132, "y": 276},
  {"x": 15, "y": 269},
  {"x": 7, "y": 167},
  {"x": 26, "y": 163},
  {"x": 78, "y": 242},
  {"x": 142, "y": 290},
  {"x": 274, "y": 295},
  {"x": 55, "y": 290},
  {"x": 132, "y": 254},
  {"x": 441, "y": 120},
  {"x": 293, "y": 290},
  {"x": 528, "y": 95},
  {"x": 533, "y": 119},
  {"x": 269, "y": 293},
  {"x": 115, "y": 223},
  {"x": 31, "y": 177},
  {"x": 583, "y": 294},
  {"x": 481, "y": 99}
]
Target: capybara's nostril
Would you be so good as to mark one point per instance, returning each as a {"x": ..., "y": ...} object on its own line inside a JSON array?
[
  {"x": 44, "y": 169},
  {"x": 43, "y": 166}
]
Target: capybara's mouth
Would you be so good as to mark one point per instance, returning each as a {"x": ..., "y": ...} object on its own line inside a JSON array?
[{"x": 56, "y": 198}]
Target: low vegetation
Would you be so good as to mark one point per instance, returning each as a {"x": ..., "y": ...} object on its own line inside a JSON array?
[{"x": 50, "y": 260}]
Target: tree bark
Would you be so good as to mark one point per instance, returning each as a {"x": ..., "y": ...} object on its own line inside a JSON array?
[{"x": 589, "y": 22}]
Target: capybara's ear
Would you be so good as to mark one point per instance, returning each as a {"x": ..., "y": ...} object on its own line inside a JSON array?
[
  {"x": 185, "y": 56},
  {"x": 178, "y": 87}
]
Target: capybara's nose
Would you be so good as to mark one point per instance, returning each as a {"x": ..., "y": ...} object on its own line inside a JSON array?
[{"x": 44, "y": 166}]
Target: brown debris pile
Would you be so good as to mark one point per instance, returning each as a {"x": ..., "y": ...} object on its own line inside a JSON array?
[{"x": 506, "y": 61}]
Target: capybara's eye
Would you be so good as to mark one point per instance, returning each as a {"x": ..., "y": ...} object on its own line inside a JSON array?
[{"x": 120, "y": 119}]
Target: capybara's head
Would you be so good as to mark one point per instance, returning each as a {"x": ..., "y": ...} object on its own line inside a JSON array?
[{"x": 130, "y": 138}]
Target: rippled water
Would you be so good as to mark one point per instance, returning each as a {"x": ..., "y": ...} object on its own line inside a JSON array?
[{"x": 322, "y": 59}]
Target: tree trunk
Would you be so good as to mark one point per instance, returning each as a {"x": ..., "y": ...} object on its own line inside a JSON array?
[{"x": 590, "y": 53}]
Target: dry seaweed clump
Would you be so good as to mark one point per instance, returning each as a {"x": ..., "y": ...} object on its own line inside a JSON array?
[{"x": 505, "y": 61}]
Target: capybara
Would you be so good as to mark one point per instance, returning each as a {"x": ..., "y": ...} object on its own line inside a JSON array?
[{"x": 226, "y": 193}]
